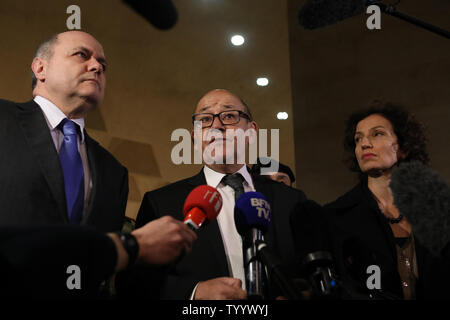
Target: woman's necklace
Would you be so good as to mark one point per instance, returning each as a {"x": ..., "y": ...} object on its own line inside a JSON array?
[{"x": 394, "y": 220}]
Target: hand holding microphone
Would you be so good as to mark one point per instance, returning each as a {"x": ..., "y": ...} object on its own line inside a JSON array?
[
  {"x": 202, "y": 206},
  {"x": 163, "y": 240},
  {"x": 251, "y": 228}
]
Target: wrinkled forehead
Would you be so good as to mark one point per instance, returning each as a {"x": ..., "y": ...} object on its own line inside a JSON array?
[{"x": 219, "y": 100}]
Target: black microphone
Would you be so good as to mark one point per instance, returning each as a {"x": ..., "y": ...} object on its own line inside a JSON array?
[
  {"x": 252, "y": 218},
  {"x": 320, "y": 13},
  {"x": 423, "y": 197},
  {"x": 275, "y": 268},
  {"x": 162, "y": 14},
  {"x": 319, "y": 268}
]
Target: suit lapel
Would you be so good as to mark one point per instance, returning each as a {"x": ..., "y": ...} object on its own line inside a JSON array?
[
  {"x": 211, "y": 232},
  {"x": 198, "y": 179},
  {"x": 37, "y": 133},
  {"x": 92, "y": 155},
  {"x": 262, "y": 186}
]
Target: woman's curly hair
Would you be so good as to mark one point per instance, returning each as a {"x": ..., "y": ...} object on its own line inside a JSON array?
[{"x": 410, "y": 133}]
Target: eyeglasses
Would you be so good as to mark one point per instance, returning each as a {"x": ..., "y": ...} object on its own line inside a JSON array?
[{"x": 225, "y": 117}]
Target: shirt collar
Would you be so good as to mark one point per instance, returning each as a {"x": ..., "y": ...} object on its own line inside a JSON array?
[
  {"x": 213, "y": 178},
  {"x": 54, "y": 115}
]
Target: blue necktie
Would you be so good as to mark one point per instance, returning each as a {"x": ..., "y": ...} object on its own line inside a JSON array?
[{"x": 72, "y": 168}]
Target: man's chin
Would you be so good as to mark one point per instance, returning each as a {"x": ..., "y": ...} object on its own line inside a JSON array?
[{"x": 93, "y": 100}]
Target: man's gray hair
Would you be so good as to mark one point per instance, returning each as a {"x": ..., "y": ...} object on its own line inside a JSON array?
[{"x": 44, "y": 51}]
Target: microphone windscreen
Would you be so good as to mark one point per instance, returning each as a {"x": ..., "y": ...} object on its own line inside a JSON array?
[
  {"x": 319, "y": 13},
  {"x": 205, "y": 198},
  {"x": 162, "y": 14},
  {"x": 252, "y": 210},
  {"x": 423, "y": 197}
]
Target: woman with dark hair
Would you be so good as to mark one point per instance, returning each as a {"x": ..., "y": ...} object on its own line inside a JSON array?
[{"x": 366, "y": 228}]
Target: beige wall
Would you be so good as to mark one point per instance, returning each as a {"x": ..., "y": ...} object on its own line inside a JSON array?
[
  {"x": 155, "y": 77},
  {"x": 341, "y": 68}
]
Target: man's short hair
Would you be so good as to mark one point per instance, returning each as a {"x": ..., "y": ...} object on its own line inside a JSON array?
[{"x": 44, "y": 51}]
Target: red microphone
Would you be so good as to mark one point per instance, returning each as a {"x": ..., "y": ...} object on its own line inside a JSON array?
[{"x": 202, "y": 205}]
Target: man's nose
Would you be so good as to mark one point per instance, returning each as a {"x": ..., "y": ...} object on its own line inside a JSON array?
[
  {"x": 217, "y": 124},
  {"x": 95, "y": 66}
]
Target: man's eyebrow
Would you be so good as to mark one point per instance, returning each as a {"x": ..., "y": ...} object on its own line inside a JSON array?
[
  {"x": 203, "y": 109},
  {"x": 81, "y": 48},
  {"x": 102, "y": 60}
]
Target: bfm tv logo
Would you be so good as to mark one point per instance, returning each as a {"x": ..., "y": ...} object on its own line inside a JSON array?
[{"x": 262, "y": 206}]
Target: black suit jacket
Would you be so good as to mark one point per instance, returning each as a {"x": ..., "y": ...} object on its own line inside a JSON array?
[
  {"x": 207, "y": 258},
  {"x": 360, "y": 236},
  {"x": 31, "y": 179}
]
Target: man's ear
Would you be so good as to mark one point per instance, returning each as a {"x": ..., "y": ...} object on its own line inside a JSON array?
[
  {"x": 39, "y": 66},
  {"x": 253, "y": 125}
]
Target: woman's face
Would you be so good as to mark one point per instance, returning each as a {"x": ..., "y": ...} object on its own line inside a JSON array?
[{"x": 376, "y": 146}]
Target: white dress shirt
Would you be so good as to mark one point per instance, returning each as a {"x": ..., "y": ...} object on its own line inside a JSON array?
[
  {"x": 232, "y": 241},
  {"x": 54, "y": 116}
]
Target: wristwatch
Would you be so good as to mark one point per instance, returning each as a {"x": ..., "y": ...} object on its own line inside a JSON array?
[{"x": 131, "y": 246}]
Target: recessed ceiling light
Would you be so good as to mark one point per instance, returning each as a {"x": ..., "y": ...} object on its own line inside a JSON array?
[
  {"x": 237, "y": 40},
  {"x": 282, "y": 115},
  {"x": 262, "y": 82}
]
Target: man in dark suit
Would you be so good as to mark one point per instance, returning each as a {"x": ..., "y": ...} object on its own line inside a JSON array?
[
  {"x": 51, "y": 171},
  {"x": 214, "y": 268}
]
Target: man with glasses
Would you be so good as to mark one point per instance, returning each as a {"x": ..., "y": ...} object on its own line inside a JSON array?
[{"x": 214, "y": 268}]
